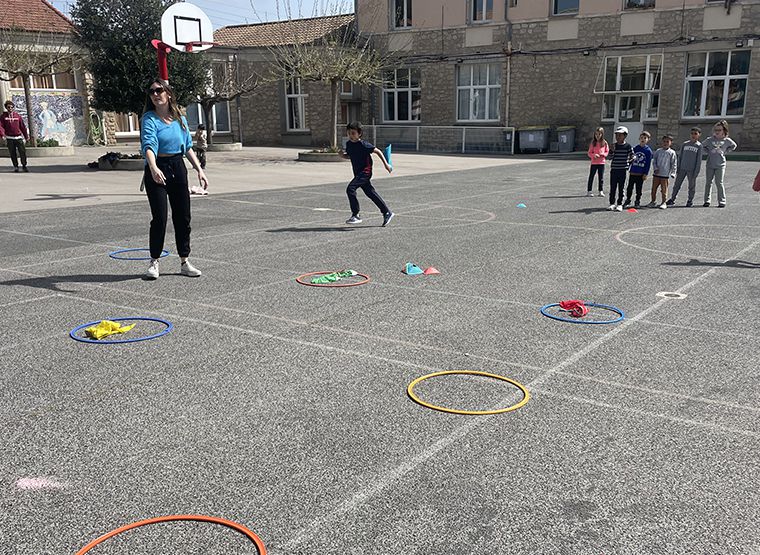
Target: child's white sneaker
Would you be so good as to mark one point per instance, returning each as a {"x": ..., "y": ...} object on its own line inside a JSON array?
[
  {"x": 663, "y": 205},
  {"x": 619, "y": 208},
  {"x": 601, "y": 192},
  {"x": 612, "y": 207},
  {"x": 590, "y": 194}
]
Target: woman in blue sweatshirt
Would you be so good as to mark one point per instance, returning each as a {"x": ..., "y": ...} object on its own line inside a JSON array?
[{"x": 165, "y": 140}]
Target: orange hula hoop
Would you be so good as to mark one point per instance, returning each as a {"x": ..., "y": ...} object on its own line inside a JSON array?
[
  {"x": 300, "y": 279},
  {"x": 200, "y": 518}
]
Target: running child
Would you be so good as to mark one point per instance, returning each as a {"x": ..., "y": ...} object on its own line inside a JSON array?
[
  {"x": 597, "y": 151},
  {"x": 665, "y": 164},
  {"x": 689, "y": 164},
  {"x": 716, "y": 148},
  {"x": 642, "y": 160},
  {"x": 622, "y": 156},
  {"x": 360, "y": 153}
]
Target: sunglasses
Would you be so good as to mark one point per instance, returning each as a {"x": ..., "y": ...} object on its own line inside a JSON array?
[{"x": 156, "y": 90}]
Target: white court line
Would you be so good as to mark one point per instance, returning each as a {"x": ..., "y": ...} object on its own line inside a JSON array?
[
  {"x": 387, "y": 478},
  {"x": 89, "y": 243},
  {"x": 649, "y": 414},
  {"x": 54, "y": 261},
  {"x": 25, "y": 301},
  {"x": 701, "y": 330}
]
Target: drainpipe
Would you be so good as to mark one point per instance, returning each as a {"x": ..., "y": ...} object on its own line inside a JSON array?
[
  {"x": 509, "y": 63},
  {"x": 238, "y": 102}
]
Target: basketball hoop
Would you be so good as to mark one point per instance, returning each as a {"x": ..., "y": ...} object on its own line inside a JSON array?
[{"x": 186, "y": 28}]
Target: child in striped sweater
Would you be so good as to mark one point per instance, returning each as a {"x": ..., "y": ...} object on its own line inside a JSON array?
[{"x": 621, "y": 156}]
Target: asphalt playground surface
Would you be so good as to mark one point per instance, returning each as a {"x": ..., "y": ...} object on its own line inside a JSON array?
[{"x": 283, "y": 407}]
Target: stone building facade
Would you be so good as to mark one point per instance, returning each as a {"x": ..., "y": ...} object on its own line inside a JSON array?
[
  {"x": 296, "y": 113},
  {"x": 660, "y": 65}
]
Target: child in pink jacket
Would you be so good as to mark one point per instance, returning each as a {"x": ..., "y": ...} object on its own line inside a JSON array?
[{"x": 597, "y": 151}]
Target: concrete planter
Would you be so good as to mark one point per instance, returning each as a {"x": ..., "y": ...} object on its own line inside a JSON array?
[
  {"x": 225, "y": 147},
  {"x": 319, "y": 157},
  {"x": 42, "y": 151}
]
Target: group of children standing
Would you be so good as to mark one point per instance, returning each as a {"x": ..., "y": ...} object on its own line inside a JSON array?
[{"x": 635, "y": 163}]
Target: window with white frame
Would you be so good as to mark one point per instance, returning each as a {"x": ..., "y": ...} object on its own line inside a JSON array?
[
  {"x": 127, "y": 125},
  {"x": 220, "y": 116},
  {"x": 61, "y": 80},
  {"x": 482, "y": 10},
  {"x": 295, "y": 104},
  {"x": 565, "y": 7},
  {"x": 402, "y": 13},
  {"x": 716, "y": 83},
  {"x": 478, "y": 92},
  {"x": 631, "y": 76},
  {"x": 346, "y": 88},
  {"x": 402, "y": 95}
]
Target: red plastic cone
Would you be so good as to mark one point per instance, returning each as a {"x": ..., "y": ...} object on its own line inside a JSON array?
[
  {"x": 632, "y": 210},
  {"x": 430, "y": 271}
]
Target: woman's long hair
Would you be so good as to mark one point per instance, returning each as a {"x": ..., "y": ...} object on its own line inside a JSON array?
[{"x": 173, "y": 106}]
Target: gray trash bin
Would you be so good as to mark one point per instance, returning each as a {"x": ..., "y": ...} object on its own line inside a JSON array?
[
  {"x": 534, "y": 138},
  {"x": 566, "y": 138}
]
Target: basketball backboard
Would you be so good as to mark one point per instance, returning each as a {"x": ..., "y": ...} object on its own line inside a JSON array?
[{"x": 185, "y": 27}]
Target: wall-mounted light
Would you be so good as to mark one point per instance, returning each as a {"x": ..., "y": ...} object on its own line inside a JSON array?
[
  {"x": 740, "y": 43},
  {"x": 587, "y": 52}
]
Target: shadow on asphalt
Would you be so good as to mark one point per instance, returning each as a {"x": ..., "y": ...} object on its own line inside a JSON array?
[
  {"x": 320, "y": 229},
  {"x": 55, "y": 168},
  {"x": 726, "y": 264},
  {"x": 587, "y": 211},
  {"x": 52, "y": 283},
  {"x": 57, "y": 196}
]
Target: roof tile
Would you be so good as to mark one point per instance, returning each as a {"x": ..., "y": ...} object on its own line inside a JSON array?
[
  {"x": 34, "y": 15},
  {"x": 278, "y": 33}
]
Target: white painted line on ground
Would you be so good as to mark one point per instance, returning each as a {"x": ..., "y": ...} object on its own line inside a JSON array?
[
  {"x": 89, "y": 243},
  {"x": 25, "y": 301},
  {"x": 649, "y": 414}
]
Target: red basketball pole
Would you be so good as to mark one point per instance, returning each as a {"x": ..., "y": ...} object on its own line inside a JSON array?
[{"x": 162, "y": 49}]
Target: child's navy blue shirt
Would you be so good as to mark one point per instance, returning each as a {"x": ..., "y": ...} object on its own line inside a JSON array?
[
  {"x": 360, "y": 153},
  {"x": 642, "y": 160}
]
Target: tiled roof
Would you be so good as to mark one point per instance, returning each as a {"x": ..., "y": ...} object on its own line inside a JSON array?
[
  {"x": 294, "y": 31},
  {"x": 33, "y": 15}
]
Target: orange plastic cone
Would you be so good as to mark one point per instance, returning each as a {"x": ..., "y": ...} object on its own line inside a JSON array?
[{"x": 431, "y": 271}]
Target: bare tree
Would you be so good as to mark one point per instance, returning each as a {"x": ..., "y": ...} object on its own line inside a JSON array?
[
  {"x": 339, "y": 54},
  {"x": 24, "y": 55},
  {"x": 226, "y": 83}
]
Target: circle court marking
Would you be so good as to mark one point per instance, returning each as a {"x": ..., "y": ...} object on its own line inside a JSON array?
[
  {"x": 413, "y": 395},
  {"x": 302, "y": 280},
  {"x": 170, "y": 518},
  {"x": 115, "y": 254},
  {"x": 75, "y": 337},
  {"x": 620, "y": 313}
]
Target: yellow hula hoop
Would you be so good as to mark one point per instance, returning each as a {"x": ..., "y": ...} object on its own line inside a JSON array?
[{"x": 521, "y": 387}]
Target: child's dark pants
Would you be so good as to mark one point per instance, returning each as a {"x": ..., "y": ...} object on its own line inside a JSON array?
[
  {"x": 178, "y": 196},
  {"x": 617, "y": 184},
  {"x": 596, "y": 168},
  {"x": 638, "y": 181},
  {"x": 363, "y": 181}
]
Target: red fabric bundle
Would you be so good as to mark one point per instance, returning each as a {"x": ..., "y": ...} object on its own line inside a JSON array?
[
  {"x": 576, "y": 308},
  {"x": 756, "y": 184}
]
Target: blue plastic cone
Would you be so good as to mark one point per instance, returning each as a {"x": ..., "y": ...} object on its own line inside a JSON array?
[
  {"x": 387, "y": 153},
  {"x": 412, "y": 269}
]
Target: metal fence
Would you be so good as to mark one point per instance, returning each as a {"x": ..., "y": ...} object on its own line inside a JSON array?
[{"x": 439, "y": 138}]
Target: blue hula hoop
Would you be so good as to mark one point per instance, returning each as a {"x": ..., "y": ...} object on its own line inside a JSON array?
[
  {"x": 75, "y": 337},
  {"x": 115, "y": 254},
  {"x": 620, "y": 313}
]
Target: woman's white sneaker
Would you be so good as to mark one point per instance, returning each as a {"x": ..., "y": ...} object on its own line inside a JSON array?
[
  {"x": 189, "y": 270},
  {"x": 152, "y": 271}
]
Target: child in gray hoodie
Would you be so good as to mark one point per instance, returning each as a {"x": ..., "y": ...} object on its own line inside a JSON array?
[
  {"x": 689, "y": 164},
  {"x": 665, "y": 164},
  {"x": 716, "y": 148}
]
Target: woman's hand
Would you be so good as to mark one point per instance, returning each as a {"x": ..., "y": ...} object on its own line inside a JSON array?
[
  {"x": 158, "y": 175},
  {"x": 202, "y": 179}
]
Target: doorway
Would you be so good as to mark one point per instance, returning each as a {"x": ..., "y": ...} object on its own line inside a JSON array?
[{"x": 630, "y": 113}]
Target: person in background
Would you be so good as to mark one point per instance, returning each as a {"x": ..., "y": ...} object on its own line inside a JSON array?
[
  {"x": 716, "y": 148},
  {"x": 665, "y": 165},
  {"x": 598, "y": 150},
  {"x": 13, "y": 130},
  {"x": 689, "y": 164},
  {"x": 201, "y": 144},
  {"x": 621, "y": 155},
  {"x": 642, "y": 160}
]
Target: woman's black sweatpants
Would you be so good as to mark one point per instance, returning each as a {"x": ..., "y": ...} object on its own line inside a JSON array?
[{"x": 178, "y": 195}]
